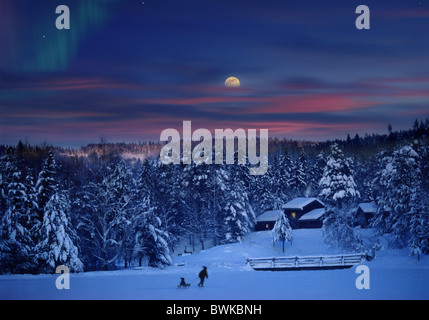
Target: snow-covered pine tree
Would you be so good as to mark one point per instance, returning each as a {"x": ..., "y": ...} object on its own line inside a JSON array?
[
  {"x": 263, "y": 192},
  {"x": 106, "y": 217},
  {"x": 140, "y": 207},
  {"x": 424, "y": 152},
  {"x": 235, "y": 217},
  {"x": 16, "y": 238},
  {"x": 315, "y": 174},
  {"x": 283, "y": 176},
  {"x": 167, "y": 199},
  {"x": 46, "y": 184},
  {"x": 196, "y": 195},
  {"x": 282, "y": 231},
  {"x": 303, "y": 162},
  {"x": 124, "y": 186},
  {"x": 151, "y": 242},
  {"x": 3, "y": 183},
  {"x": 58, "y": 240},
  {"x": 32, "y": 197},
  {"x": 337, "y": 184},
  {"x": 399, "y": 181},
  {"x": 146, "y": 182},
  {"x": 118, "y": 184},
  {"x": 8, "y": 166},
  {"x": 217, "y": 186},
  {"x": 239, "y": 216},
  {"x": 375, "y": 189},
  {"x": 241, "y": 178},
  {"x": 338, "y": 190},
  {"x": 419, "y": 227},
  {"x": 379, "y": 194},
  {"x": 338, "y": 233},
  {"x": 298, "y": 181}
]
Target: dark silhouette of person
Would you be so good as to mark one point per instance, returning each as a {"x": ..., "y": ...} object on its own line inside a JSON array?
[
  {"x": 182, "y": 283},
  {"x": 203, "y": 275}
]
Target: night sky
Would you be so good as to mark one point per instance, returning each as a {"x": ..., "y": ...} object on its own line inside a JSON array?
[{"x": 128, "y": 69}]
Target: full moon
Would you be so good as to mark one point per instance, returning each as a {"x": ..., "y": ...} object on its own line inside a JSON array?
[{"x": 232, "y": 82}]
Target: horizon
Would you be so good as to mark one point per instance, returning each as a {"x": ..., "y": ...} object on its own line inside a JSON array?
[
  {"x": 127, "y": 70},
  {"x": 103, "y": 141}
]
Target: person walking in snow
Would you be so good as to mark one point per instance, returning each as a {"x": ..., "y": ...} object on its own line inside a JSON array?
[{"x": 203, "y": 275}]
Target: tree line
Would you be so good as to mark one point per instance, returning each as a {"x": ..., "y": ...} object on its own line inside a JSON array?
[{"x": 101, "y": 211}]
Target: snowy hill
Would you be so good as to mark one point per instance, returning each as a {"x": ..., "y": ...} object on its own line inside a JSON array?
[
  {"x": 257, "y": 244},
  {"x": 393, "y": 275}
]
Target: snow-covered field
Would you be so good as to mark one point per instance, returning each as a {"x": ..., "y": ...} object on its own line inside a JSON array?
[{"x": 393, "y": 275}]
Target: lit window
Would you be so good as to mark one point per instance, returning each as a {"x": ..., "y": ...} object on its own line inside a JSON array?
[
  {"x": 267, "y": 226},
  {"x": 293, "y": 215}
]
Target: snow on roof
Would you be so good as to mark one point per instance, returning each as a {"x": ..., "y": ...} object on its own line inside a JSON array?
[
  {"x": 300, "y": 203},
  {"x": 368, "y": 207},
  {"x": 313, "y": 214},
  {"x": 270, "y": 215}
]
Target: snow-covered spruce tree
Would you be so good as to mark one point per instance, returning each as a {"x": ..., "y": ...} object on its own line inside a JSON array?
[
  {"x": 167, "y": 199},
  {"x": 303, "y": 163},
  {"x": 150, "y": 241},
  {"x": 239, "y": 216},
  {"x": 3, "y": 184},
  {"x": 281, "y": 175},
  {"x": 375, "y": 189},
  {"x": 315, "y": 174},
  {"x": 263, "y": 193},
  {"x": 298, "y": 180},
  {"x": 140, "y": 207},
  {"x": 419, "y": 227},
  {"x": 399, "y": 180},
  {"x": 127, "y": 189},
  {"x": 46, "y": 184},
  {"x": 424, "y": 152},
  {"x": 146, "y": 181},
  {"x": 337, "y": 184},
  {"x": 196, "y": 201},
  {"x": 282, "y": 231},
  {"x": 338, "y": 191},
  {"x": 106, "y": 220},
  {"x": 337, "y": 232},
  {"x": 118, "y": 183},
  {"x": 236, "y": 218},
  {"x": 8, "y": 168},
  {"x": 242, "y": 180},
  {"x": 217, "y": 186},
  {"x": 16, "y": 238},
  {"x": 58, "y": 240}
]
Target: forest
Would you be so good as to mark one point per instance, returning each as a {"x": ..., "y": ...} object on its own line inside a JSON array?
[{"x": 92, "y": 208}]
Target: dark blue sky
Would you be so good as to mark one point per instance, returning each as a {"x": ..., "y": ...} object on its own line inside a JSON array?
[{"x": 127, "y": 70}]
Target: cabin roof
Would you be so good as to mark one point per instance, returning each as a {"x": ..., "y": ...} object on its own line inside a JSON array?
[
  {"x": 269, "y": 215},
  {"x": 313, "y": 214},
  {"x": 300, "y": 203},
  {"x": 368, "y": 207}
]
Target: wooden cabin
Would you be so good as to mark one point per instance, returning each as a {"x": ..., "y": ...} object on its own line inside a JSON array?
[
  {"x": 365, "y": 212},
  {"x": 301, "y": 212},
  {"x": 267, "y": 220},
  {"x": 305, "y": 213}
]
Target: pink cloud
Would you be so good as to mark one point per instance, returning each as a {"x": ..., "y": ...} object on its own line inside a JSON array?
[{"x": 404, "y": 13}]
